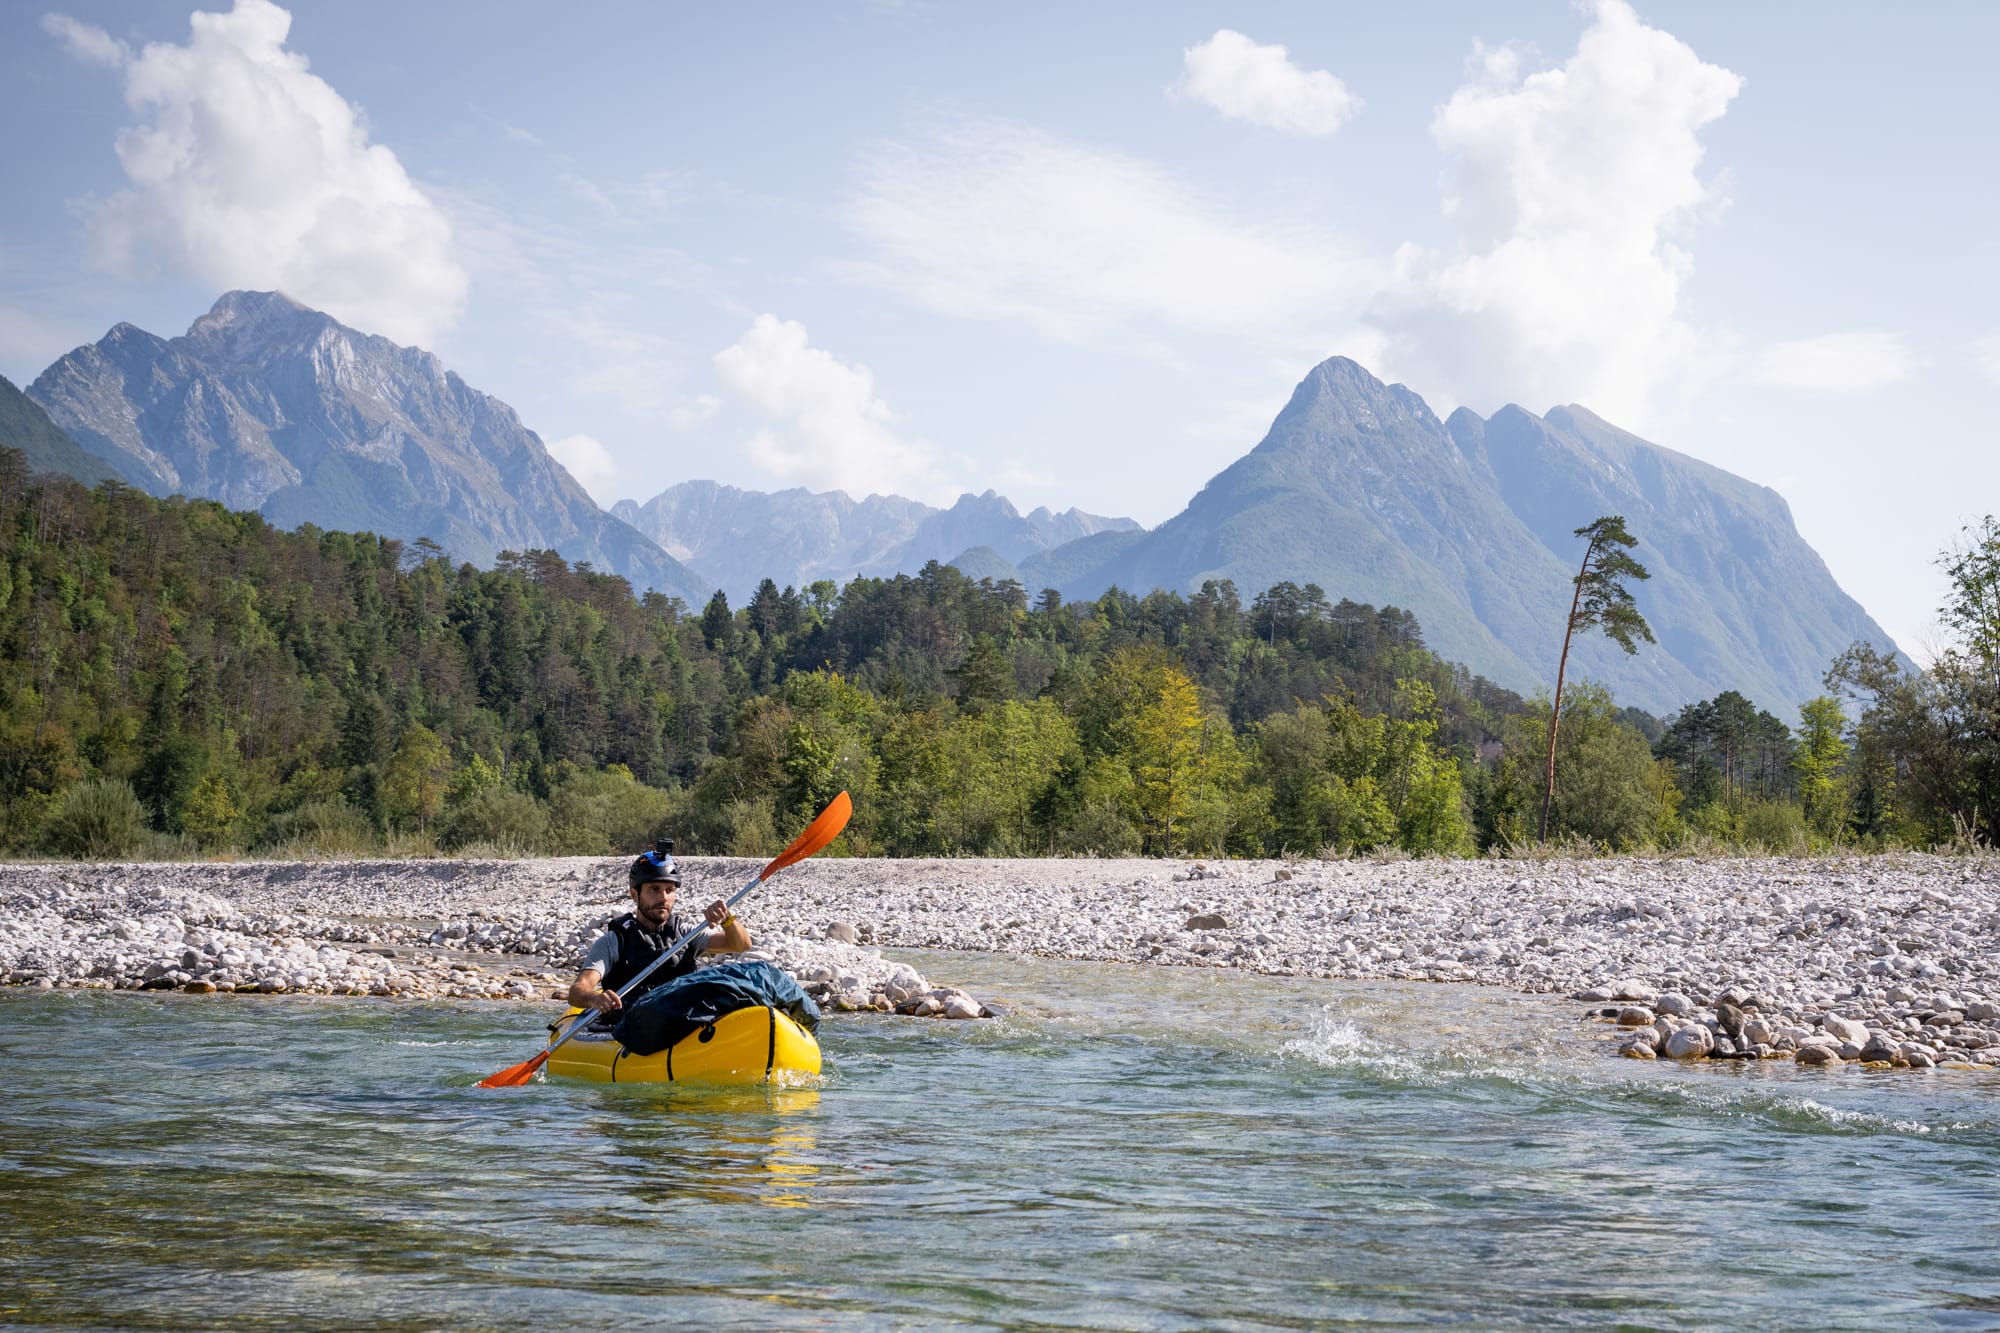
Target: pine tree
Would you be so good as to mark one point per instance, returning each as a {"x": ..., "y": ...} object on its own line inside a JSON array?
[{"x": 1601, "y": 602}]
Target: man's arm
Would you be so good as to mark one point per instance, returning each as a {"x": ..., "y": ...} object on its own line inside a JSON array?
[
  {"x": 586, "y": 993},
  {"x": 727, "y": 934}
]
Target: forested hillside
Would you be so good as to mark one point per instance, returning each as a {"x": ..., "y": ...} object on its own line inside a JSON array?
[
  {"x": 24, "y": 426},
  {"x": 178, "y": 678}
]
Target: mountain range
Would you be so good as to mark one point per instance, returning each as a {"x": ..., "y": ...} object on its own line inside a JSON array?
[
  {"x": 265, "y": 404},
  {"x": 737, "y": 538},
  {"x": 1358, "y": 487}
]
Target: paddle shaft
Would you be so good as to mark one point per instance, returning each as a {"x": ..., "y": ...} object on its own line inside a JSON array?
[{"x": 671, "y": 951}]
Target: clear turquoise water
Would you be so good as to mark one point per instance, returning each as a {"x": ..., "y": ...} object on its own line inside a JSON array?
[{"x": 1130, "y": 1148}]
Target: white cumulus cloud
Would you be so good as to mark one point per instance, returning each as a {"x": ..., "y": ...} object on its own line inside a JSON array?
[
  {"x": 1260, "y": 84},
  {"x": 93, "y": 46},
  {"x": 1835, "y": 363},
  {"x": 586, "y": 459},
  {"x": 829, "y": 429},
  {"x": 1571, "y": 189},
  {"x": 247, "y": 170},
  {"x": 994, "y": 220}
]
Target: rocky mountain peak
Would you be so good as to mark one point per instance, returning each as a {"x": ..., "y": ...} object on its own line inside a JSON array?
[
  {"x": 1339, "y": 398},
  {"x": 249, "y": 328},
  {"x": 1575, "y": 416},
  {"x": 989, "y": 503},
  {"x": 123, "y": 344},
  {"x": 267, "y": 404}
]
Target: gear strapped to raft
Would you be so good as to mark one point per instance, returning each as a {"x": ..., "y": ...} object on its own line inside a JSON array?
[{"x": 667, "y": 1014}]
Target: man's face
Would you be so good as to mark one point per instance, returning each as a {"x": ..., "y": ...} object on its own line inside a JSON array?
[{"x": 653, "y": 902}]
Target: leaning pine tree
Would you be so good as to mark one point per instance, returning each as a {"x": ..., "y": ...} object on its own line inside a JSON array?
[{"x": 1601, "y": 602}]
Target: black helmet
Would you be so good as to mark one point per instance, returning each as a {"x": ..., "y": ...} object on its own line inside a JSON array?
[{"x": 656, "y": 866}]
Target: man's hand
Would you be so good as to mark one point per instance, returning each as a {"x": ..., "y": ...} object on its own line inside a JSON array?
[
  {"x": 587, "y": 992},
  {"x": 733, "y": 938}
]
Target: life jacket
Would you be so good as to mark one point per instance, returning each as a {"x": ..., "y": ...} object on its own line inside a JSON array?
[{"x": 638, "y": 947}]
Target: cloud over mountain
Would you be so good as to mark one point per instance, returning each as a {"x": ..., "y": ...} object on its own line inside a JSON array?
[
  {"x": 1571, "y": 189},
  {"x": 828, "y": 427},
  {"x": 247, "y": 170}
]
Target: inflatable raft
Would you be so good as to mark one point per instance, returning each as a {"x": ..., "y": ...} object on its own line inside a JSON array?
[
  {"x": 737, "y": 1022},
  {"x": 755, "y": 1044}
]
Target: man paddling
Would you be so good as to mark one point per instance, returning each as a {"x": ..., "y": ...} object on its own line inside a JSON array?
[{"x": 634, "y": 940}]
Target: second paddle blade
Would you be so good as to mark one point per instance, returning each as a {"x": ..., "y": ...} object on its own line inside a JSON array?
[{"x": 513, "y": 1076}]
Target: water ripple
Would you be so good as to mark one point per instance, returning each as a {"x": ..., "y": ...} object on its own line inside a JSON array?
[{"x": 1130, "y": 1149}]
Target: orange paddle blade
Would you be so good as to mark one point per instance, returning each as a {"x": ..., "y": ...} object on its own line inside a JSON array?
[
  {"x": 818, "y": 834},
  {"x": 513, "y": 1076}
]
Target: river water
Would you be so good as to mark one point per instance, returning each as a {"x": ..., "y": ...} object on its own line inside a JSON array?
[{"x": 1128, "y": 1148}]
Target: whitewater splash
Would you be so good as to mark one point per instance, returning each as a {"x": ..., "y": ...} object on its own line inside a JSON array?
[{"x": 1341, "y": 1044}]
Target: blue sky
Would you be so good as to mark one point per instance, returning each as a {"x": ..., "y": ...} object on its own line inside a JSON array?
[{"x": 1080, "y": 254}]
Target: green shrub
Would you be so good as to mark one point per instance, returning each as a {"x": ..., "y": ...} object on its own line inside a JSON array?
[
  {"x": 604, "y": 814},
  {"x": 318, "y": 828},
  {"x": 495, "y": 817},
  {"x": 99, "y": 818},
  {"x": 1712, "y": 823},
  {"x": 1101, "y": 828},
  {"x": 751, "y": 831},
  {"x": 409, "y": 845},
  {"x": 157, "y": 846},
  {"x": 24, "y": 820},
  {"x": 1776, "y": 826}
]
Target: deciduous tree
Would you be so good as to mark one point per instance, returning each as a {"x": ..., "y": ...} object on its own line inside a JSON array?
[{"x": 1817, "y": 760}]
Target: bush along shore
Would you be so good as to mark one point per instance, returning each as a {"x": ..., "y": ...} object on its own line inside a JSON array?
[{"x": 1891, "y": 960}]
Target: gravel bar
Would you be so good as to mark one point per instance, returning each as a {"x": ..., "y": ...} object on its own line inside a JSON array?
[{"x": 1886, "y": 960}]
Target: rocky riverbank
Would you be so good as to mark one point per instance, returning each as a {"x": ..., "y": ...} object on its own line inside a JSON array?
[
  {"x": 405, "y": 930},
  {"x": 1893, "y": 960}
]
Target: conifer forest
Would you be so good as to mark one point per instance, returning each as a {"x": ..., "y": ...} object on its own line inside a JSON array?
[{"x": 178, "y": 679}]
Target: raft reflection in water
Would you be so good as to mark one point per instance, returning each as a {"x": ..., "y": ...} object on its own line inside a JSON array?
[{"x": 720, "y": 1143}]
